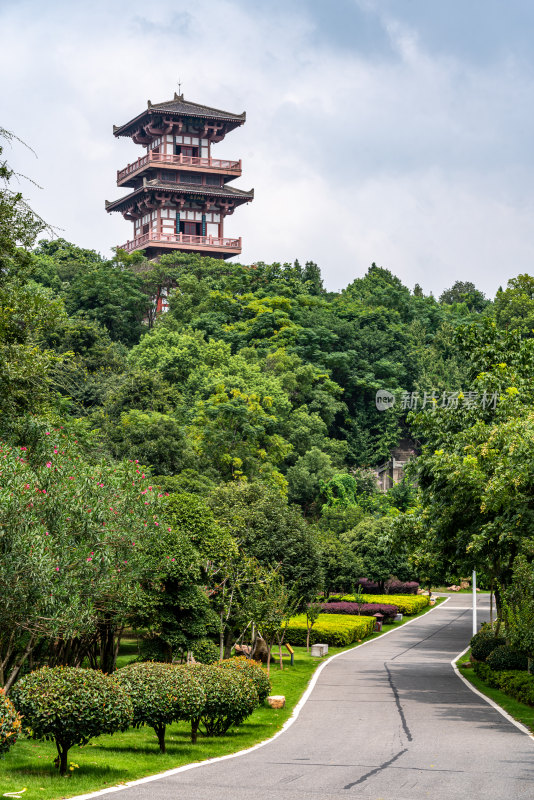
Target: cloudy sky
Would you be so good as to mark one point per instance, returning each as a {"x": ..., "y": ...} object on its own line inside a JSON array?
[{"x": 394, "y": 131}]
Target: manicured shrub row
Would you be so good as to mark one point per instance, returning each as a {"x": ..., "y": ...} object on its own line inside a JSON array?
[
  {"x": 336, "y": 630},
  {"x": 230, "y": 698},
  {"x": 390, "y": 587},
  {"x": 406, "y": 603},
  {"x": 10, "y": 723},
  {"x": 252, "y": 670},
  {"x": 366, "y": 609},
  {"x": 161, "y": 694},
  {"x": 71, "y": 706},
  {"x": 483, "y": 643},
  {"x": 516, "y": 684}
]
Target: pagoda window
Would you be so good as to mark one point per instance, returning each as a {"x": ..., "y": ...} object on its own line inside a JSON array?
[
  {"x": 190, "y": 177},
  {"x": 185, "y": 150},
  {"x": 190, "y": 228},
  {"x": 213, "y": 180}
]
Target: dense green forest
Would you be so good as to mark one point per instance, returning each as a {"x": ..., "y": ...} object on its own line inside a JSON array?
[{"x": 171, "y": 471}]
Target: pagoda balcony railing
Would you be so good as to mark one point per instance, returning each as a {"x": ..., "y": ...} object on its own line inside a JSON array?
[
  {"x": 179, "y": 160},
  {"x": 186, "y": 240}
]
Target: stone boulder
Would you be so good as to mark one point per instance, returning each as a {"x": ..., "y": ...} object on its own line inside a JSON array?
[
  {"x": 261, "y": 651},
  {"x": 276, "y": 701}
]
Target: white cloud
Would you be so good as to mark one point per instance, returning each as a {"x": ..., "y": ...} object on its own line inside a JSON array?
[{"x": 419, "y": 162}]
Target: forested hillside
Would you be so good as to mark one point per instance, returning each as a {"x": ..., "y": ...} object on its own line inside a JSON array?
[{"x": 225, "y": 449}]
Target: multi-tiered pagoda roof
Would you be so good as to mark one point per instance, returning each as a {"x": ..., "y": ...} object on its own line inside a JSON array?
[{"x": 180, "y": 196}]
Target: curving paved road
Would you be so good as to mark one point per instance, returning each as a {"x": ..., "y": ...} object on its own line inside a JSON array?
[{"x": 388, "y": 721}]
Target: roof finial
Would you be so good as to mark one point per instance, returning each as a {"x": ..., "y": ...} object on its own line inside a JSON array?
[{"x": 180, "y": 86}]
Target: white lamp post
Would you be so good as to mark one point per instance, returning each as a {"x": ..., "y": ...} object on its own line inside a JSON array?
[{"x": 474, "y": 601}]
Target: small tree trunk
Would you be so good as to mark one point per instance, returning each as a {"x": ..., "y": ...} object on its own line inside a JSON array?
[
  {"x": 194, "y": 730},
  {"x": 107, "y": 646},
  {"x": 62, "y": 751},
  {"x": 308, "y": 631},
  {"x": 160, "y": 733},
  {"x": 268, "y": 660},
  {"x": 228, "y": 644},
  {"x": 12, "y": 677},
  {"x": 221, "y": 641}
]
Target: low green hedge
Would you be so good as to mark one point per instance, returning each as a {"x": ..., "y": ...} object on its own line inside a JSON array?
[
  {"x": 483, "y": 643},
  {"x": 506, "y": 658},
  {"x": 515, "y": 683},
  {"x": 408, "y": 604},
  {"x": 336, "y": 630}
]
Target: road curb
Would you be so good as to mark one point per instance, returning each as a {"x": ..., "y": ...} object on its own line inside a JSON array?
[{"x": 287, "y": 724}]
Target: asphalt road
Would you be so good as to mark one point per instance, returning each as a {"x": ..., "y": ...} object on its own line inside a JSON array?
[{"x": 388, "y": 721}]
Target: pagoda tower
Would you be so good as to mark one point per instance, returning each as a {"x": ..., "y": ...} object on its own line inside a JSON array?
[{"x": 179, "y": 194}]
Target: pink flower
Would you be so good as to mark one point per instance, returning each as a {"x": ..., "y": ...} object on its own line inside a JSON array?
[
  {"x": 89, "y": 559},
  {"x": 173, "y": 559},
  {"x": 71, "y": 478},
  {"x": 48, "y": 464},
  {"x": 46, "y": 533},
  {"x": 168, "y": 529},
  {"x": 57, "y": 569},
  {"x": 156, "y": 523},
  {"x": 23, "y": 448},
  {"x": 47, "y": 433}
]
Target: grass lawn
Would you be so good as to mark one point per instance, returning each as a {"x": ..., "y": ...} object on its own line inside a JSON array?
[
  {"x": 111, "y": 760},
  {"x": 519, "y": 711}
]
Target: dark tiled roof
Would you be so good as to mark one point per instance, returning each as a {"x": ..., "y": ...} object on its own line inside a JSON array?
[
  {"x": 200, "y": 188},
  {"x": 184, "y": 108},
  {"x": 183, "y": 188},
  {"x": 188, "y": 109}
]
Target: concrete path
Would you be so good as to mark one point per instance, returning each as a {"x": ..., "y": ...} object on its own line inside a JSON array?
[{"x": 388, "y": 721}]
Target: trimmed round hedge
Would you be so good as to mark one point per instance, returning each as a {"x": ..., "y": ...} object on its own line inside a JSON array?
[
  {"x": 71, "y": 705},
  {"x": 205, "y": 651},
  {"x": 161, "y": 694},
  {"x": 10, "y": 723},
  {"x": 504, "y": 658},
  {"x": 483, "y": 643},
  {"x": 230, "y": 698},
  {"x": 252, "y": 670}
]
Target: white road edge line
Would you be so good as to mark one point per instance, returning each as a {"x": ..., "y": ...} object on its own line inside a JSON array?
[
  {"x": 491, "y": 702},
  {"x": 287, "y": 724}
]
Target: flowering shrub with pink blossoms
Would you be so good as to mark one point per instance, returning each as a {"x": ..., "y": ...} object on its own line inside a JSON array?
[{"x": 76, "y": 539}]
